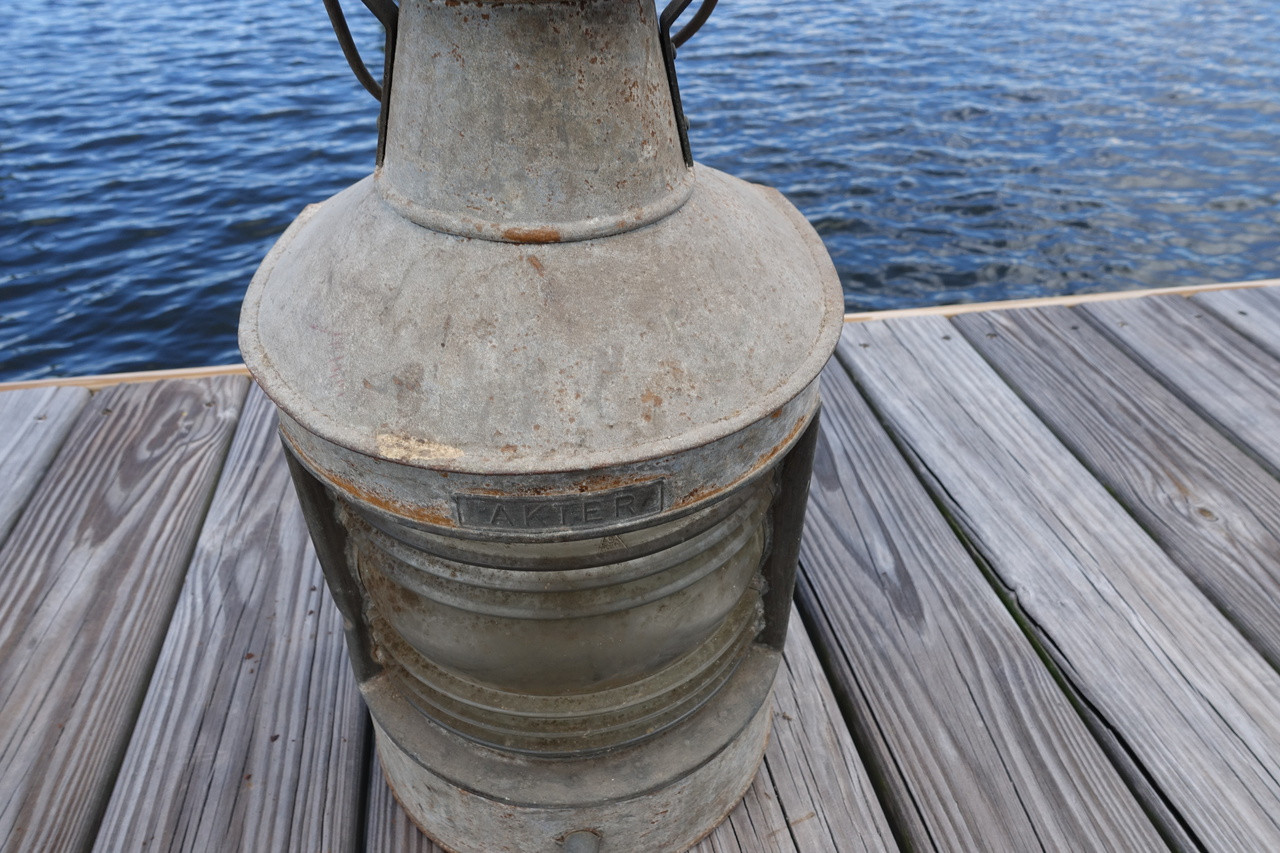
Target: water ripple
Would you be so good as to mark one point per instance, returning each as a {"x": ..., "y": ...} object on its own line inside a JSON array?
[{"x": 945, "y": 150}]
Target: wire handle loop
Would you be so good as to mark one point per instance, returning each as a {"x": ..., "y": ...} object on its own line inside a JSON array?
[
  {"x": 669, "y": 43},
  {"x": 387, "y": 13},
  {"x": 695, "y": 23}
]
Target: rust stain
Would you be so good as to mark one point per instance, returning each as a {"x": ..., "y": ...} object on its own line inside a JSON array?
[
  {"x": 497, "y": 493},
  {"x": 703, "y": 493},
  {"x": 531, "y": 235},
  {"x": 388, "y": 595},
  {"x": 698, "y": 494},
  {"x": 408, "y": 380},
  {"x": 597, "y": 483},
  {"x": 605, "y": 482},
  {"x": 535, "y": 263},
  {"x": 517, "y": 492},
  {"x": 424, "y": 514},
  {"x": 650, "y": 399}
]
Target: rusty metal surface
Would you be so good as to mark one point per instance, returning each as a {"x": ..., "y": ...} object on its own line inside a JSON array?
[
  {"x": 475, "y": 800},
  {"x": 549, "y": 396},
  {"x": 668, "y": 44},
  {"x": 430, "y": 499},
  {"x": 402, "y": 343},
  {"x": 478, "y": 143},
  {"x": 543, "y": 699}
]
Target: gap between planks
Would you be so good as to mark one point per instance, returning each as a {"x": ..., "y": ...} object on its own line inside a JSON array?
[
  {"x": 1221, "y": 374},
  {"x": 1211, "y": 507},
  {"x": 93, "y": 567},
  {"x": 1196, "y": 714},
  {"x": 253, "y": 735},
  {"x": 972, "y": 741}
]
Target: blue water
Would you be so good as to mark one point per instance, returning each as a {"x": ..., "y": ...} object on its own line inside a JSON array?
[{"x": 947, "y": 151}]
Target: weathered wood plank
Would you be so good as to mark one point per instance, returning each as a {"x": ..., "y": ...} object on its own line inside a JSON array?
[
  {"x": 1178, "y": 691},
  {"x": 756, "y": 825},
  {"x": 1253, "y": 312},
  {"x": 821, "y": 784},
  {"x": 1210, "y": 506},
  {"x": 1221, "y": 374},
  {"x": 976, "y": 746},
  {"x": 33, "y": 425},
  {"x": 812, "y": 794},
  {"x": 91, "y": 572},
  {"x": 253, "y": 735}
]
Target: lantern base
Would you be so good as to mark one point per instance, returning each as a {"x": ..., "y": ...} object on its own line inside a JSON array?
[{"x": 663, "y": 794}]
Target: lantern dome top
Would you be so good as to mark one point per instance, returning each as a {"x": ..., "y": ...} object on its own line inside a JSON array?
[{"x": 460, "y": 354}]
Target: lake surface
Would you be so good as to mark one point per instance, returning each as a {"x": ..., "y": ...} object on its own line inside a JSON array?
[{"x": 947, "y": 151}]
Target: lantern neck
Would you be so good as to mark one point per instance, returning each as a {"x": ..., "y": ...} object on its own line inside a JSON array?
[{"x": 533, "y": 121}]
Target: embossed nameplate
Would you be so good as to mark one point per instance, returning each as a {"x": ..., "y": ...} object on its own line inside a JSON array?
[{"x": 560, "y": 512}]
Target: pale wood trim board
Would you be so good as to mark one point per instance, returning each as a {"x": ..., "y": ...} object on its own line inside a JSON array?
[
  {"x": 1051, "y": 301},
  {"x": 106, "y": 380}
]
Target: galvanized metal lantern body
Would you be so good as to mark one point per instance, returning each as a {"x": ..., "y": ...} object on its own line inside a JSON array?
[{"x": 549, "y": 395}]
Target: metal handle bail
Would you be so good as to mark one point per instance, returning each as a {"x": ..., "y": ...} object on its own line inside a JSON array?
[
  {"x": 669, "y": 43},
  {"x": 388, "y": 13}
]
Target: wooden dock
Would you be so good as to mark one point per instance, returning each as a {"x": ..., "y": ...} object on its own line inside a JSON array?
[{"x": 1039, "y": 606}]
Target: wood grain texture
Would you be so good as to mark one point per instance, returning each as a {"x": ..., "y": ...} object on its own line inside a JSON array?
[
  {"x": 811, "y": 795},
  {"x": 756, "y": 825},
  {"x": 33, "y": 424},
  {"x": 1221, "y": 374},
  {"x": 1211, "y": 507},
  {"x": 253, "y": 735},
  {"x": 1254, "y": 313},
  {"x": 1179, "y": 691},
  {"x": 819, "y": 778},
  {"x": 91, "y": 573},
  {"x": 975, "y": 745}
]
